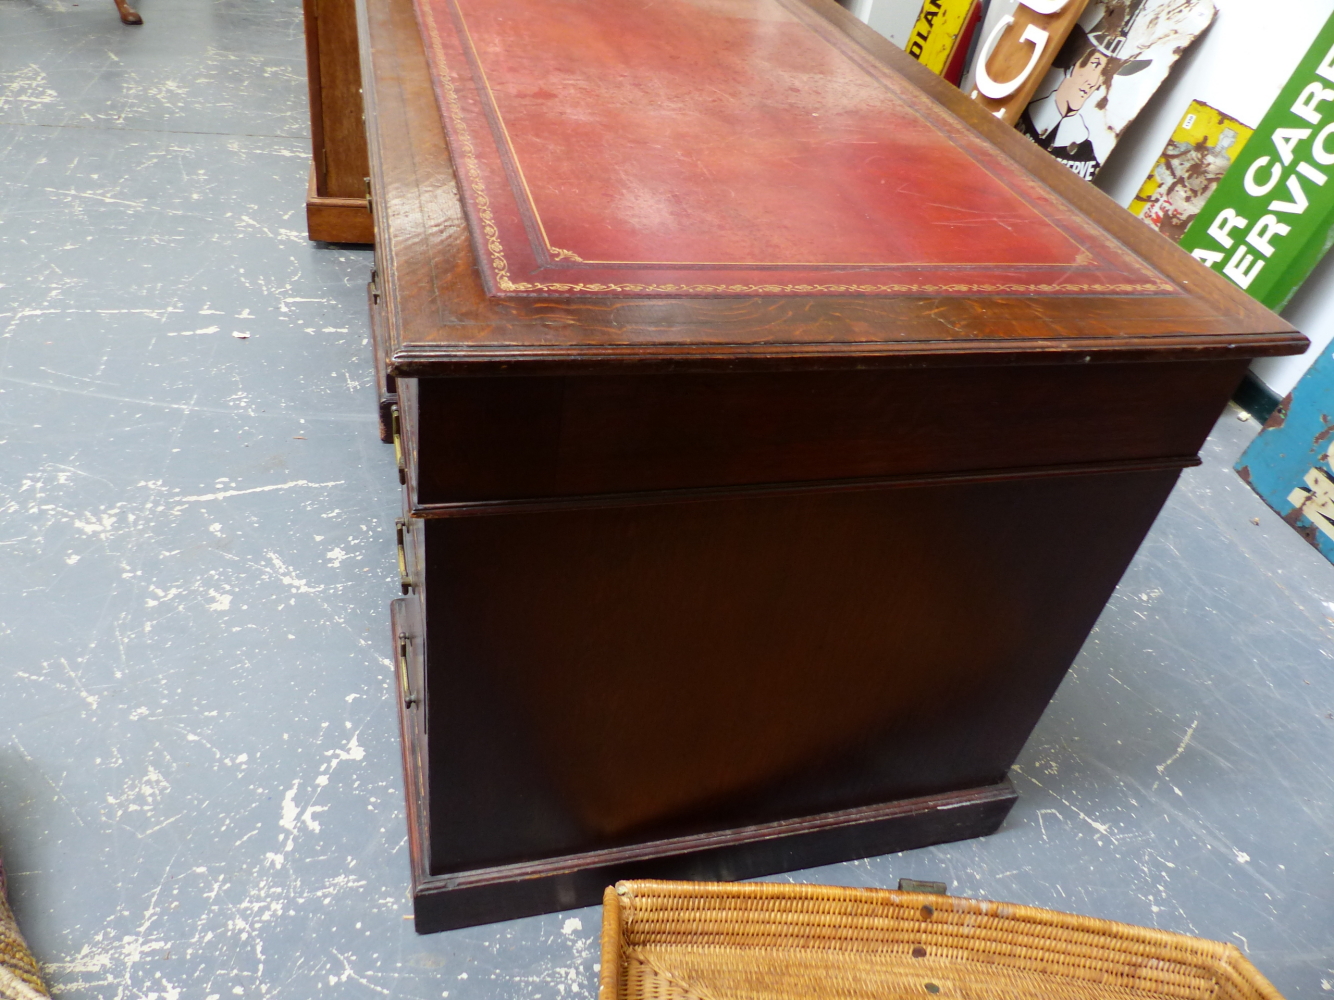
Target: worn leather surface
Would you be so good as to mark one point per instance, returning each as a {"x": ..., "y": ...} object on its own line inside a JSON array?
[{"x": 736, "y": 147}]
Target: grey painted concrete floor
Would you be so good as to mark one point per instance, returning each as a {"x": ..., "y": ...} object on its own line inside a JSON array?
[{"x": 199, "y": 770}]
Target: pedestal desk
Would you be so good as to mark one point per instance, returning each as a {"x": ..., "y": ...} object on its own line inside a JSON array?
[{"x": 767, "y": 470}]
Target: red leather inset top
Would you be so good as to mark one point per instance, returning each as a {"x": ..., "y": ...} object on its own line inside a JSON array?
[{"x": 731, "y": 147}]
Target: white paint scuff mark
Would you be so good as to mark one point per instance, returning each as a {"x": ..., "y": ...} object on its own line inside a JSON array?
[
  {"x": 92, "y": 524},
  {"x": 141, "y": 796},
  {"x": 308, "y": 817},
  {"x": 99, "y": 197},
  {"x": 354, "y": 751},
  {"x": 290, "y": 811},
  {"x": 221, "y": 602},
  {"x": 353, "y": 418},
  {"x": 1102, "y": 828},
  {"x": 25, "y": 85},
  {"x": 288, "y": 576},
  {"x": 223, "y": 495},
  {"x": 1181, "y": 747}
]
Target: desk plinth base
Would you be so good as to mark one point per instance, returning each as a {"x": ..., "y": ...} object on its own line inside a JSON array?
[
  {"x": 464, "y": 899},
  {"x": 445, "y": 902}
]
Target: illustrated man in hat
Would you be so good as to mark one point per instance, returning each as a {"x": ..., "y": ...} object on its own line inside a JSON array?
[{"x": 1083, "y": 70}]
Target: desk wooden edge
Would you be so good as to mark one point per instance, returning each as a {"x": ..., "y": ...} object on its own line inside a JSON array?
[{"x": 416, "y": 360}]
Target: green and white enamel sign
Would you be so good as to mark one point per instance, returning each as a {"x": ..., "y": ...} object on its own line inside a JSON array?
[{"x": 1269, "y": 221}]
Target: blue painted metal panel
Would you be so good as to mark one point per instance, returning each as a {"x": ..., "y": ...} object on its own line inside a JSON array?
[{"x": 1289, "y": 465}]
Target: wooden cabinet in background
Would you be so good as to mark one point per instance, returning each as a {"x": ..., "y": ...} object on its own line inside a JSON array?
[{"x": 337, "y": 208}]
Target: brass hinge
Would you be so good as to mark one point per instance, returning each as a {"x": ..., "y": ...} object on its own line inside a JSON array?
[
  {"x": 375, "y": 287},
  {"x": 370, "y": 203}
]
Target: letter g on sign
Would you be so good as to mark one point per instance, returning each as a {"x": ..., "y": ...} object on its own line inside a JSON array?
[
  {"x": 999, "y": 91},
  {"x": 992, "y": 88}
]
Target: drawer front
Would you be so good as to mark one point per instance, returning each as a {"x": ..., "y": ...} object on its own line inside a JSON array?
[{"x": 516, "y": 438}]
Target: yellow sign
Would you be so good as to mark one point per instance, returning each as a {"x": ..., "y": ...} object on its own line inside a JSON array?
[
  {"x": 936, "y": 33},
  {"x": 1189, "y": 168}
]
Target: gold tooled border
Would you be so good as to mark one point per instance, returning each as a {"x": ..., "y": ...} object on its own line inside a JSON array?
[{"x": 1121, "y": 289}]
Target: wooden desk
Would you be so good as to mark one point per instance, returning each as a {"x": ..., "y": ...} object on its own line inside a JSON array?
[{"x": 717, "y": 585}]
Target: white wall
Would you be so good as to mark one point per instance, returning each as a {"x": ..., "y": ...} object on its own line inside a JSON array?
[
  {"x": 892, "y": 18},
  {"x": 1238, "y": 66}
]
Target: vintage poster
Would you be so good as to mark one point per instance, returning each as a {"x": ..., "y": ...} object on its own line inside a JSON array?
[
  {"x": 1270, "y": 220},
  {"x": 1115, "y": 58},
  {"x": 1190, "y": 166},
  {"x": 1291, "y": 463},
  {"x": 1018, "y": 49}
]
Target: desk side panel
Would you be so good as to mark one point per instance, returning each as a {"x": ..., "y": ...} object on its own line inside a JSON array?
[{"x": 612, "y": 676}]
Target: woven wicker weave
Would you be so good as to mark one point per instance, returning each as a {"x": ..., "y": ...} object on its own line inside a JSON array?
[
  {"x": 766, "y": 941},
  {"x": 20, "y": 979}
]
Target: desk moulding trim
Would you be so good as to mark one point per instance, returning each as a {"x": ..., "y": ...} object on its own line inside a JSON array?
[{"x": 706, "y": 494}]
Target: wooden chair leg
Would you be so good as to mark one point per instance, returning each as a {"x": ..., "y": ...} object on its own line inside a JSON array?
[{"x": 128, "y": 15}]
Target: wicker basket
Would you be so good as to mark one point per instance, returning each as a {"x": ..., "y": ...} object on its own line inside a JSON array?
[{"x": 765, "y": 941}]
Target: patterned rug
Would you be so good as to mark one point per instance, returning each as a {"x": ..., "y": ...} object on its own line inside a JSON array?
[{"x": 20, "y": 979}]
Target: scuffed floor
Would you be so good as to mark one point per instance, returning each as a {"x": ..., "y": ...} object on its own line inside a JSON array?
[{"x": 199, "y": 770}]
